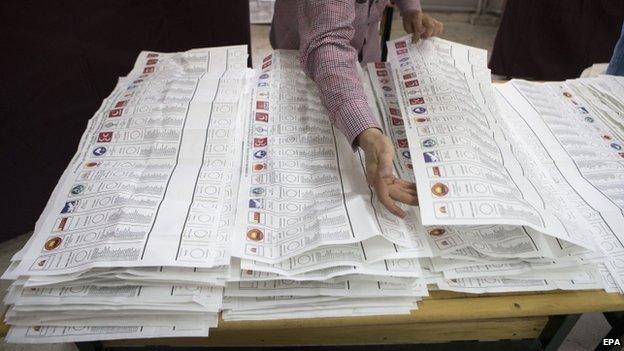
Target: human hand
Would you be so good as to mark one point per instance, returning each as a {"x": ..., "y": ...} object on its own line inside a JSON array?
[
  {"x": 379, "y": 153},
  {"x": 421, "y": 25}
]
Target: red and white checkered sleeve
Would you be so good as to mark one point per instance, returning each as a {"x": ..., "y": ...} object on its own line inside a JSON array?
[
  {"x": 408, "y": 5},
  {"x": 327, "y": 56}
]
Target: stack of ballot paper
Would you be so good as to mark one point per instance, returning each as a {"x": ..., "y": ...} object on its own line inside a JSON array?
[
  {"x": 202, "y": 187},
  {"x": 518, "y": 183},
  {"x": 134, "y": 241},
  {"x": 307, "y": 225}
]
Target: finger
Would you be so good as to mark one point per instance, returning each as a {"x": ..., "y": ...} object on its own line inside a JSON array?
[
  {"x": 417, "y": 26},
  {"x": 439, "y": 28},
  {"x": 391, "y": 206},
  {"x": 399, "y": 195},
  {"x": 415, "y": 37},
  {"x": 428, "y": 26},
  {"x": 383, "y": 193},
  {"x": 408, "y": 190},
  {"x": 405, "y": 184}
]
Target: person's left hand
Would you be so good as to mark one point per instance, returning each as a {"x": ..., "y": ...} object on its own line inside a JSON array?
[{"x": 421, "y": 25}]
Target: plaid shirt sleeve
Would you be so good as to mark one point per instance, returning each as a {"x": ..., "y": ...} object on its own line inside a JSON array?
[{"x": 327, "y": 56}]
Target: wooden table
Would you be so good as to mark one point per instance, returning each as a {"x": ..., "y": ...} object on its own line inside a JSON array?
[{"x": 444, "y": 316}]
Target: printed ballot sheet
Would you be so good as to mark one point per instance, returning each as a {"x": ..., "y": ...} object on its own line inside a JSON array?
[
  {"x": 302, "y": 186},
  {"x": 467, "y": 167},
  {"x": 138, "y": 226},
  {"x": 487, "y": 157},
  {"x": 464, "y": 167},
  {"x": 575, "y": 154},
  {"x": 149, "y": 184},
  {"x": 308, "y": 224},
  {"x": 502, "y": 241},
  {"x": 201, "y": 187}
]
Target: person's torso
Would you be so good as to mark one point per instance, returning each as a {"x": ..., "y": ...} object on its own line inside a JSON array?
[{"x": 366, "y": 39}]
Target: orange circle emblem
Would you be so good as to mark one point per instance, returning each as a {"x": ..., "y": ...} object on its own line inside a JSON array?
[
  {"x": 52, "y": 243},
  {"x": 437, "y": 232},
  {"x": 439, "y": 189},
  {"x": 255, "y": 235}
]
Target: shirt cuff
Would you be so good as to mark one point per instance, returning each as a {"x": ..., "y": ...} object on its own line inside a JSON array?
[
  {"x": 353, "y": 118},
  {"x": 409, "y": 5}
]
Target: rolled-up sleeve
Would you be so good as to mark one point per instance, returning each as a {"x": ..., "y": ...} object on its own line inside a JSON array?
[
  {"x": 408, "y": 5},
  {"x": 327, "y": 56}
]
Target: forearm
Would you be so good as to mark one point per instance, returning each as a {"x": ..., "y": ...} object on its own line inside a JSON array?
[
  {"x": 343, "y": 95},
  {"x": 327, "y": 56}
]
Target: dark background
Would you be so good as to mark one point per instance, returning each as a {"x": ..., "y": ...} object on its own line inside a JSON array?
[
  {"x": 555, "y": 39},
  {"x": 61, "y": 58}
]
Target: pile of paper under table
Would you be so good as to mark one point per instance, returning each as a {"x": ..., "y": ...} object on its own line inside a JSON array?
[{"x": 202, "y": 187}]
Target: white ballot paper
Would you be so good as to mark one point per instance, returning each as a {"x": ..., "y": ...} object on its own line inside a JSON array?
[
  {"x": 513, "y": 155},
  {"x": 134, "y": 241},
  {"x": 148, "y": 184},
  {"x": 201, "y": 187},
  {"x": 576, "y": 152},
  {"x": 302, "y": 186}
]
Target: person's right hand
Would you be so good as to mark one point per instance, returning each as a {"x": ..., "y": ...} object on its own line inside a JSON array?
[
  {"x": 379, "y": 153},
  {"x": 421, "y": 25}
]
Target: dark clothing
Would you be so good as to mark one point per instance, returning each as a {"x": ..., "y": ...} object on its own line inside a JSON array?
[
  {"x": 555, "y": 39},
  {"x": 616, "y": 65}
]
